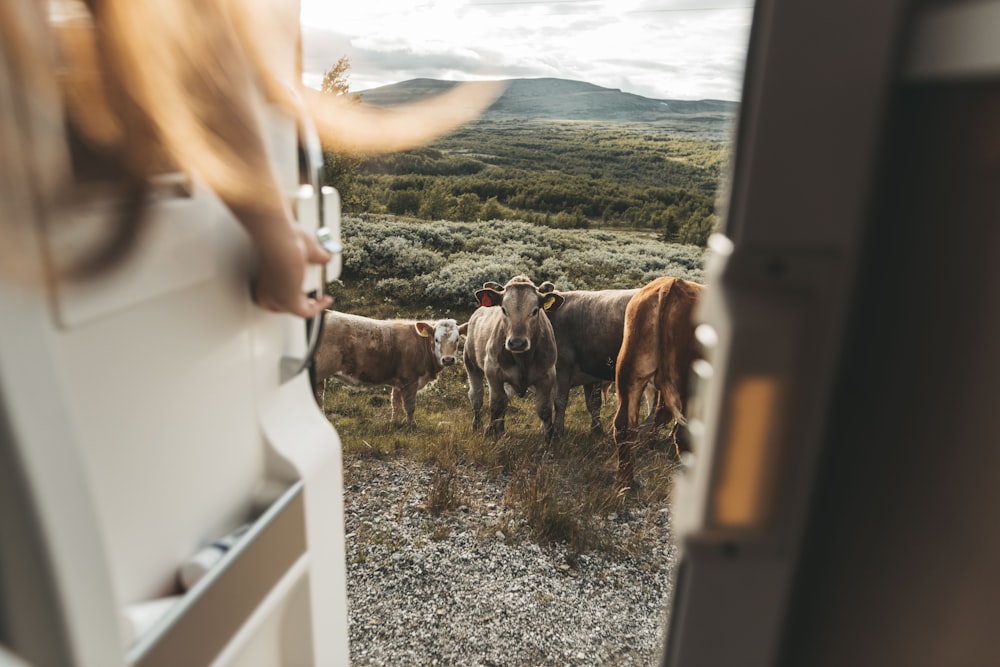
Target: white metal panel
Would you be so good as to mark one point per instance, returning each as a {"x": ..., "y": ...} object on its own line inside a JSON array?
[
  {"x": 162, "y": 399},
  {"x": 146, "y": 409},
  {"x": 175, "y": 228}
]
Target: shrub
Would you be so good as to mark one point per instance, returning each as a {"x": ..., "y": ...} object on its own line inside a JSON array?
[
  {"x": 467, "y": 207},
  {"x": 455, "y": 284},
  {"x": 440, "y": 264},
  {"x": 402, "y": 290},
  {"x": 403, "y": 202},
  {"x": 403, "y": 257}
]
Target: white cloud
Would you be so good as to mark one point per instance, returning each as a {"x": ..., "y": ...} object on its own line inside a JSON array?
[{"x": 682, "y": 49}]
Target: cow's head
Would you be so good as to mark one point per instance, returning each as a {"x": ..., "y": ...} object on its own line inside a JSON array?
[
  {"x": 445, "y": 334},
  {"x": 522, "y": 305}
]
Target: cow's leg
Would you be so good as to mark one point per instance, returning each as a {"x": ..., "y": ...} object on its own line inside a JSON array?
[
  {"x": 625, "y": 431},
  {"x": 593, "y": 394},
  {"x": 397, "y": 404},
  {"x": 674, "y": 402},
  {"x": 560, "y": 400},
  {"x": 475, "y": 395},
  {"x": 660, "y": 413},
  {"x": 677, "y": 353},
  {"x": 409, "y": 400},
  {"x": 498, "y": 405},
  {"x": 672, "y": 380},
  {"x": 545, "y": 406},
  {"x": 629, "y": 386}
]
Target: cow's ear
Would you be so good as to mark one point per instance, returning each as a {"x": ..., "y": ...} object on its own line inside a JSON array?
[
  {"x": 488, "y": 297},
  {"x": 463, "y": 329},
  {"x": 546, "y": 287},
  {"x": 552, "y": 301},
  {"x": 489, "y": 284},
  {"x": 424, "y": 329}
]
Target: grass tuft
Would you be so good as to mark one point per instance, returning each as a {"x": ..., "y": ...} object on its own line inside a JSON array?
[{"x": 444, "y": 494}]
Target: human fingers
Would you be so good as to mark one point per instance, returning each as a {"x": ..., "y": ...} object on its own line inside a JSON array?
[
  {"x": 315, "y": 252},
  {"x": 303, "y": 306},
  {"x": 311, "y": 307}
]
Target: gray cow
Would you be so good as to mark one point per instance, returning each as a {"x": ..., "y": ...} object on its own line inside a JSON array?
[
  {"x": 402, "y": 354},
  {"x": 510, "y": 343},
  {"x": 588, "y": 327}
]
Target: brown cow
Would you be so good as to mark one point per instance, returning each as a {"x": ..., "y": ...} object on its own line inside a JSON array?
[
  {"x": 658, "y": 346},
  {"x": 510, "y": 343},
  {"x": 402, "y": 354}
]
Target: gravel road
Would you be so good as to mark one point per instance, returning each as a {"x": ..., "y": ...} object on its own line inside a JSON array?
[{"x": 455, "y": 589}]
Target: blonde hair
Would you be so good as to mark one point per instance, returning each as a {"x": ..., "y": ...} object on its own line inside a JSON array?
[{"x": 149, "y": 83}]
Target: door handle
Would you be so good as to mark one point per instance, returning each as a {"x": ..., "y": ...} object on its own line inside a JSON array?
[{"x": 327, "y": 199}]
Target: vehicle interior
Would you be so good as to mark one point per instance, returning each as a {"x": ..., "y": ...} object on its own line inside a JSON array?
[
  {"x": 837, "y": 506},
  {"x": 837, "y": 511}
]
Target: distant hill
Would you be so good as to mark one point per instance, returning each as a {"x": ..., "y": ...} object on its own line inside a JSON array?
[{"x": 563, "y": 99}]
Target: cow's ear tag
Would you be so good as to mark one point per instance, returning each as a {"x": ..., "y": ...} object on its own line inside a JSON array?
[{"x": 548, "y": 302}]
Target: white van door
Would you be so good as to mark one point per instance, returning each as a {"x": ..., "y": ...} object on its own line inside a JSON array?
[{"x": 148, "y": 415}]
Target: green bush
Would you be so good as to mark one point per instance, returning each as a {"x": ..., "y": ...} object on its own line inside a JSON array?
[{"x": 440, "y": 264}]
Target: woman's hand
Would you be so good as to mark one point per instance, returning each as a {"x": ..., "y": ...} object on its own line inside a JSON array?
[{"x": 284, "y": 249}]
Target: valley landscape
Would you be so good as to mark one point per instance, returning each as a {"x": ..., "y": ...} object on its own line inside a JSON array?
[
  {"x": 507, "y": 550},
  {"x": 556, "y": 153}
]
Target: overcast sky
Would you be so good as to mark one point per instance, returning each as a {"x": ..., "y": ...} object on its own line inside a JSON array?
[{"x": 664, "y": 49}]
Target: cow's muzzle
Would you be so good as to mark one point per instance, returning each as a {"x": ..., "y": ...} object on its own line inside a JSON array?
[
  {"x": 447, "y": 361},
  {"x": 518, "y": 344}
]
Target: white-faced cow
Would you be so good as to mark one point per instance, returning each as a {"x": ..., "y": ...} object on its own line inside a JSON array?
[
  {"x": 402, "y": 354},
  {"x": 588, "y": 328},
  {"x": 658, "y": 345},
  {"x": 510, "y": 344}
]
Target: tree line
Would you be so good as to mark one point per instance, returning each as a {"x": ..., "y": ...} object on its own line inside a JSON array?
[{"x": 558, "y": 174}]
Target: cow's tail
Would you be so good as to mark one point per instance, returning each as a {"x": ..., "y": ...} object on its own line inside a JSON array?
[{"x": 677, "y": 344}]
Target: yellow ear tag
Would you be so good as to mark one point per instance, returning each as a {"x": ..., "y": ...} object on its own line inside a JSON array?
[
  {"x": 548, "y": 303},
  {"x": 423, "y": 332}
]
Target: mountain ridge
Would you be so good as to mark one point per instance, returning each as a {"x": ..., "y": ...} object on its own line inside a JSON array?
[{"x": 562, "y": 99}]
